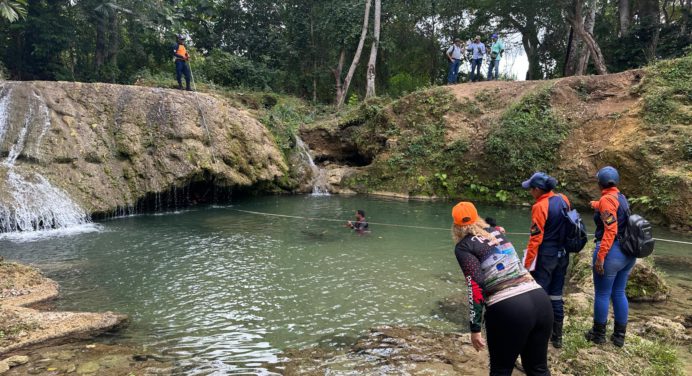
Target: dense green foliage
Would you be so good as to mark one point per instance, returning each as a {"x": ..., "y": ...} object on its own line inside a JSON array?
[
  {"x": 294, "y": 46},
  {"x": 668, "y": 93},
  {"x": 527, "y": 137}
]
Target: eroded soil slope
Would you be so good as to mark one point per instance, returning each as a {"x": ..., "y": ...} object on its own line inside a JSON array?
[{"x": 479, "y": 141}]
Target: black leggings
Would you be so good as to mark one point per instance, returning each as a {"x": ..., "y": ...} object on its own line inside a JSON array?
[{"x": 520, "y": 325}]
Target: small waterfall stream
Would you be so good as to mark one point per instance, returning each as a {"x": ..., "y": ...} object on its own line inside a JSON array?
[
  {"x": 320, "y": 186},
  {"x": 30, "y": 202}
]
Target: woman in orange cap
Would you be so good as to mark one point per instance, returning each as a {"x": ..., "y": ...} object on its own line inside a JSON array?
[{"x": 518, "y": 314}]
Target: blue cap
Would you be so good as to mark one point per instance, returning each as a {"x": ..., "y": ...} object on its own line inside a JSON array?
[
  {"x": 494, "y": 36},
  {"x": 608, "y": 176},
  {"x": 540, "y": 180}
]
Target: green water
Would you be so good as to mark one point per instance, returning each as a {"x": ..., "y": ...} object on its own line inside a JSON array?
[{"x": 220, "y": 290}]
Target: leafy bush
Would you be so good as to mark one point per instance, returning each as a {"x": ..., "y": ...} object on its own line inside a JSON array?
[
  {"x": 235, "y": 71},
  {"x": 668, "y": 92},
  {"x": 528, "y": 136},
  {"x": 404, "y": 83}
]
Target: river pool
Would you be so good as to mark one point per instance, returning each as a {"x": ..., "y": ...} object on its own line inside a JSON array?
[{"x": 223, "y": 289}]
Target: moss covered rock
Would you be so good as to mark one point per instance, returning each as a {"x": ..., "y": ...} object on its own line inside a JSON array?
[
  {"x": 645, "y": 284},
  {"x": 108, "y": 146}
]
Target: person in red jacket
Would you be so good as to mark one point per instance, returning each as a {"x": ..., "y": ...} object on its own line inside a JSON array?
[
  {"x": 611, "y": 267},
  {"x": 545, "y": 255}
]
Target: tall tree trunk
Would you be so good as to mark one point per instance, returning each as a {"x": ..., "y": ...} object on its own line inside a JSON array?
[
  {"x": 434, "y": 52},
  {"x": 650, "y": 14},
  {"x": 314, "y": 60},
  {"x": 686, "y": 8},
  {"x": 576, "y": 20},
  {"x": 113, "y": 44},
  {"x": 337, "y": 76},
  {"x": 356, "y": 57},
  {"x": 529, "y": 39},
  {"x": 372, "y": 72},
  {"x": 100, "y": 51},
  {"x": 664, "y": 9},
  {"x": 625, "y": 16},
  {"x": 586, "y": 54},
  {"x": 572, "y": 59}
]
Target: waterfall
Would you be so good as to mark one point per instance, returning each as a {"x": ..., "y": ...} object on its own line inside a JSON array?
[
  {"x": 30, "y": 202},
  {"x": 320, "y": 187}
]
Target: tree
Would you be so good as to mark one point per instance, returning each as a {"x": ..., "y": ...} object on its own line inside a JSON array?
[
  {"x": 371, "y": 74},
  {"x": 577, "y": 21},
  {"x": 356, "y": 57},
  {"x": 624, "y": 17},
  {"x": 536, "y": 20},
  {"x": 12, "y": 10}
]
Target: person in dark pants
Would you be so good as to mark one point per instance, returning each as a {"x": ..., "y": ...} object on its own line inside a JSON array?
[
  {"x": 181, "y": 59},
  {"x": 545, "y": 255},
  {"x": 518, "y": 317},
  {"x": 477, "y": 50},
  {"x": 611, "y": 267}
]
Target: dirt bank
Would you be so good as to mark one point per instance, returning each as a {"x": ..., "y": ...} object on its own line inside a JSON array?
[{"x": 479, "y": 141}]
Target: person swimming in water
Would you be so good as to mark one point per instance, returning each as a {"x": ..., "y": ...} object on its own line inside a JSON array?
[{"x": 360, "y": 224}]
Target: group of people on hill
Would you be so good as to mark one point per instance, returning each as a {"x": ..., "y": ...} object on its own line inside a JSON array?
[
  {"x": 522, "y": 299},
  {"x": 476, "y": 51}
]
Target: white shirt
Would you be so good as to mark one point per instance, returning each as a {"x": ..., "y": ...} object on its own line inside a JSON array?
[{"x": 455, "y": 51}]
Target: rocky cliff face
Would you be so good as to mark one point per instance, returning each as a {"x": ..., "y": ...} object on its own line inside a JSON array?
[{"x": 71, "y": 149}]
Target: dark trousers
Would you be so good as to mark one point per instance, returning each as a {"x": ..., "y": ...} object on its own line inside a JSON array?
[
  {"x": 520, "y": 325},
  {"x": 550, "y": 274},
  {"x": 181, "y": 68}
]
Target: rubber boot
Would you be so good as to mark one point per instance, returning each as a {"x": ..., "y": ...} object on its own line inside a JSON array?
[
  {"x": 556, "y": 337},
  {"x": 618, "y": 336},
  {"x": 596, "y": 334}
]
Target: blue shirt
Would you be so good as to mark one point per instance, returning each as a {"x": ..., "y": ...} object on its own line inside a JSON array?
[{"x": 478, "y": 50}]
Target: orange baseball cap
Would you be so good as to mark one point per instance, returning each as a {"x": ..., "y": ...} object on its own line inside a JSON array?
[{"x": 464, "y": 214}]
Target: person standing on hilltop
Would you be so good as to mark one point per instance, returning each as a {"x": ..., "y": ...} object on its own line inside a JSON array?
[
  {"x": 181, "y": 59},
  {"x": 454, "y": 57},
  {"x": 477, "y": 50},
  {"x": 497, "y": 49},
  {"x": 518, "y": 316},
  {"x": 611, "y": 267},
  {"x": 545, "y": 255}
]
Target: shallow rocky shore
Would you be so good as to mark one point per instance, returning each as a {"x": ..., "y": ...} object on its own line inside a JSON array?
[
  {"x": 656, "y": 344},
  {"x": 33, "y": 341}
]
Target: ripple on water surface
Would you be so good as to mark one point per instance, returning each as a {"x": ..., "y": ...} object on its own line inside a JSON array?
[{"x": 223, "y": 291}]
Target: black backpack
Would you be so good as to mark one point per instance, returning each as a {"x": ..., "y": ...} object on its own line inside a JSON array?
[
  {"x": 575, "y": 236},
  {"x": 637, "y": 239}
]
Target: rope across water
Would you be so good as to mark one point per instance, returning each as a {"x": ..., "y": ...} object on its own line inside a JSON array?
[{"x": 398, "y": 225}]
